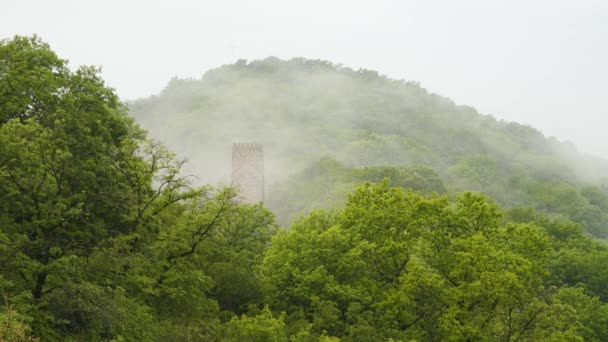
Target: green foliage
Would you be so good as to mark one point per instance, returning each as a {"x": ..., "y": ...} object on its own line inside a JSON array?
[
  {"x": 12, "y": 326},
  {"x": 326, "y": 183},
  {"x": 393, "y": 264},
  {"x": 65, "y": 172},
  {"x": 31, "y": 76},
  {"x": 102, "y": 238},
  {"x": 261, "y": 328},
  {"x": 591, "y": 313},
  {"x": 305, "y": 110}
]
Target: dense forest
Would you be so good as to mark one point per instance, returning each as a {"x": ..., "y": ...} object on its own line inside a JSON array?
[{"x": 399, "y": 215}]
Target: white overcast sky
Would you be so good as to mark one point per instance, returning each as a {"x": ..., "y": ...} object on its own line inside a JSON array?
[{"x": 543, "y": 63}]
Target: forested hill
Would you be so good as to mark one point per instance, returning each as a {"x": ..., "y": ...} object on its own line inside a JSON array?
[
  {"x": 305, "y": 110},
  {"x": 103, "y": 238}
]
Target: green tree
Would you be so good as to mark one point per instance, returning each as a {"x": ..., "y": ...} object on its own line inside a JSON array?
[
  {"x": 32, "y": 78},
  {"x": 394, "y": 264},
  {"x": 261, "y": 328},
  {"x": 76, "y": 176}
]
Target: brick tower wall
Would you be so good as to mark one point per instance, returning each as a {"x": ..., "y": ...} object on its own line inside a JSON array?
[{"x": 248, "y": 172}]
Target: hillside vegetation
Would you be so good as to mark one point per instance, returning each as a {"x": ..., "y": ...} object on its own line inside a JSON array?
[
  {"x": 307, "y": 112},
  {"x": 104, "y": 238}
]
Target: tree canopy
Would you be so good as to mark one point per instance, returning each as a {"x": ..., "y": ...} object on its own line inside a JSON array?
[{"x": 103, "y": 237}]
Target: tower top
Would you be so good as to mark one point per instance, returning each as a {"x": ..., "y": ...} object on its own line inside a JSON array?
[{"x": 246, "y": 147}]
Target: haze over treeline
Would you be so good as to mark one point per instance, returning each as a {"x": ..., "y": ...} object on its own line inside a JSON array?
[{"x": 305, "y": 110}]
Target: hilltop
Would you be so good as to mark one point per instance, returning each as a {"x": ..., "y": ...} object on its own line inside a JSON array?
[{"x": 326, "y": 127}]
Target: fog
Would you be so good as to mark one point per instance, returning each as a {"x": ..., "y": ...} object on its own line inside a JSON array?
[
  {"x": 305, "y": 111},
  {"x": 540, "y": 63},
  {"x": 433, "y": 170}
]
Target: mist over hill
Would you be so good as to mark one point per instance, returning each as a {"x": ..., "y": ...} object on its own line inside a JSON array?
[
  {"x": 325, "y": 127},
  {"x": 103, "y": 238}
]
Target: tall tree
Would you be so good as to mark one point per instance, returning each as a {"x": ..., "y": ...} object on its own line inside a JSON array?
[{"x": 75, "y": 174}]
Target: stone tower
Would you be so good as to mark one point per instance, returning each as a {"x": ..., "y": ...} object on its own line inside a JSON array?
[{"x": 248, "y": 172}]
